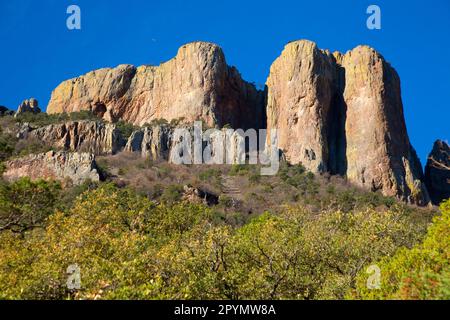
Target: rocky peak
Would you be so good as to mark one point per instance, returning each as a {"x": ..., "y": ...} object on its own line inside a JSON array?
[
  {"x": 196, "y": 84},
  {"x": 437, "y": 172},
  {"x": 30, "y": 105},
  {"x": 343, "y": 114},
  {"x": 4, "y": 111}
]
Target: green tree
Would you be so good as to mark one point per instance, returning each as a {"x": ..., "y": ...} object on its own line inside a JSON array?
[
  {"x": 422, "y": 272},
  {"x": 25, "y": 204}
]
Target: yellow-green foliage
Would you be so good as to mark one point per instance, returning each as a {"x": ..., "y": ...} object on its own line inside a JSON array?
[
  {"x": 422, "y": 272},
  {"x": 128, "y": 247}
]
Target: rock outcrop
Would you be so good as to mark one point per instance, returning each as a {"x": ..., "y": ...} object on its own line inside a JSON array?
[
  {"x": 84, "y": 136},
  {"x": 152, "y": 142},
  {"x": 196, "y": 195},
  {"x": 343, "y": 114},
  {"x": 379, "y": 155},
  {"x": 30, "y": 105},
  {"x": 196, "y": 84},
  {"x": 4, "y": 111},
  {"x": 78, "y": 167},
  {"x": 437, "y": 172},
  {"x": 300, "y": 96}
]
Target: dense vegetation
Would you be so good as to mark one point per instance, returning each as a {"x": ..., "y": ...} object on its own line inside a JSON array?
[
  {"x": 130, "y": 247},
  {"x": 136, "y": 236},
  {"x": 422, "y": 272}
]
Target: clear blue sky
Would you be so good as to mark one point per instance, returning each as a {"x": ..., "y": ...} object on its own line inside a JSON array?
[{"x": 38, "y": 52}]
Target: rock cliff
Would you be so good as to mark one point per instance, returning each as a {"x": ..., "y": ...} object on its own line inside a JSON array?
[
  {"x": 196, "y": 84},
  {"x": 343, "y": 114},
  {"x": 77, "y": 167},
  {"x": 437, "y": 172},
  {"x": 85, "y": 136}
]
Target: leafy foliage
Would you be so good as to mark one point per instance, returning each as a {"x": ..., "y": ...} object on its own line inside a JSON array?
[
  {"x": 25, "y": 204},
  {"x": 422, "y": 272},
  {"x": 129, "y": 247},
  {"x": 43, "y": 119}
]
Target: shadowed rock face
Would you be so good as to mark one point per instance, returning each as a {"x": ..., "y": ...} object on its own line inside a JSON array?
[
  {"x": 343, "y": 114},
  {"x": 196, "y": 84},
  {"x": 77, "y": 167},
  {"x": 437, "y": 172}
]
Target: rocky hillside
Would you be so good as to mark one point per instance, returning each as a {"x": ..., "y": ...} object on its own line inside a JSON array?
[{"x": 335, "y": 113}]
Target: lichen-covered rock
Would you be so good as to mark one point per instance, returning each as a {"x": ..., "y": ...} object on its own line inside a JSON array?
[
  {"x": 86, "y": 136},
  {"x": 300, "y": 96},
  {"x": 30, "y": 105},
  {"x": 343, "y": 114},
  {"x": 196, "y": 84},
  {"x": 437, "y": 172},
  {"x": 152, "y": 142},
  {"x": 78, "y": 167},
  {"x": 378, "y": 151}
]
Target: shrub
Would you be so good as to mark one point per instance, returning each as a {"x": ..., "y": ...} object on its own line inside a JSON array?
[
  {"x": 422, "y": 272},
  {"x": 125, "y": 128},
  {"x": 25, "y": 205},
  {"x": 172, "y": 194}
]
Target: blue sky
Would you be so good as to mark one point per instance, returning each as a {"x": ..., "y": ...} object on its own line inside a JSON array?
[{"x": 38, "y": 52}]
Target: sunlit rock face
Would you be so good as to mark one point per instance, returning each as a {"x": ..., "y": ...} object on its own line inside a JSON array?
[
  {"x": 195, "y": 85},
  {"x": 74, "y": 166},
  {"x": 343, "y": 113}
]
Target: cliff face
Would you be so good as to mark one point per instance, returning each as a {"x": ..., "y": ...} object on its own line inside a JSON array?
[
  {"x": 378, "y": 152},
  {"x": 336, "y": 113},
  {"x": 77, "y": 167},
  {"x": 196, "y": 84},
  {"x": 86, "y": 136},
  {"x": 343, "y": 114},
  {"x": 300, "y": 95},
  {"x": 437, "y": 172},
  {"x": 152, "y": 142}
]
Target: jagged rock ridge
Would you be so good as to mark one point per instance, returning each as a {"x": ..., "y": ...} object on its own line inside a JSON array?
[
  {"x": 196, "y": 84},
  {"x": 437, "y": 172},
  {"x": 86, "y": 136}
]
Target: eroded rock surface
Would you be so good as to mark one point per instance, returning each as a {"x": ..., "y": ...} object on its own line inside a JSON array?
[
  {"x": 196, "y": 84},
  {"x": 437, "y": 172},
  {"x": 30, "y": 105},
  {"x": 343, "y": 114},
  {"x": 84, "y": 136},
  {"x": 78, "y": 167}
]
